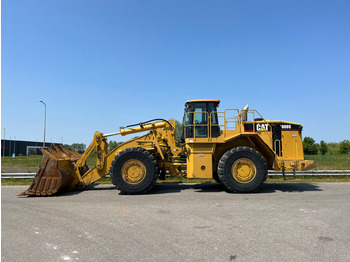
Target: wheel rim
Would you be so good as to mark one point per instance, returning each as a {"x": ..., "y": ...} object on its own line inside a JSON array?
[
  {"x": 133, "y": 171},
  {"x": 243, "y": 170}
]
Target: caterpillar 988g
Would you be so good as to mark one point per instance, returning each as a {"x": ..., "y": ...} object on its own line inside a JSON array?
[{"x": 234, "y": 147}]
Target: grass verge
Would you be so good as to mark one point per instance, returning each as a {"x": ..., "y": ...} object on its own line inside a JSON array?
[
  {"x": 308, "y": 179},
  {"x": 33, "y": 162},
  {"x": 330, "y": 161},
  {"x": 21, "y": 161}
]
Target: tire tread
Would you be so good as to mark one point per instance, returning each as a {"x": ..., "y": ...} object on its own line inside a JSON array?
[
  {"x": 222, "y": 163},
  {"x": 129, "y": 150}
]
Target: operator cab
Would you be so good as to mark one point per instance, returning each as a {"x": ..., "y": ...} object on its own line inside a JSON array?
[{"x": 201, "y": 119}]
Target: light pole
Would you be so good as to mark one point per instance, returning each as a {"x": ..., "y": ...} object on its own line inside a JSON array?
[
  {"x": 44, "y": 121},
  {"x": 3, "y": 150}
]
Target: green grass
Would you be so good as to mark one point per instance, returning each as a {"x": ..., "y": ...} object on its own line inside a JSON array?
[
  {"x": 308, "y": 179},
  {"x": 330, "y": 161},
  {"x": 33, "y": 161},
  {"x": 21, "y": 161}
]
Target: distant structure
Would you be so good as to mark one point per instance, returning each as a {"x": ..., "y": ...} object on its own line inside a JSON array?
[{"x": 23, "y": 148}]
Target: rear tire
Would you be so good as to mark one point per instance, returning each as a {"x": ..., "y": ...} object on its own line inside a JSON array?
[
  {"x": 242, "y": 169},
  {"x": 134, "y": 171}
]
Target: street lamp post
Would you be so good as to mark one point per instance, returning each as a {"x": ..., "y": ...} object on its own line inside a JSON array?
[
  {"x": 44, "y": 121},
  {"x": 3, "y": 150}
]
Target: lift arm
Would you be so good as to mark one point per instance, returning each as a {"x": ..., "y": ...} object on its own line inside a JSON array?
[{"x": 103, "y": 158}]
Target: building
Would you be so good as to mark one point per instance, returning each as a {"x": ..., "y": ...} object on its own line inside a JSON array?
[{"x": 23, "y": 148}]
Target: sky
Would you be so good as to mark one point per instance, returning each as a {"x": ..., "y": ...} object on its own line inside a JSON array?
[{"x": 99, "y": 65}]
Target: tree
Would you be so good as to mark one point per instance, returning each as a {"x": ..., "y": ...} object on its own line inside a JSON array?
[
  {"x": 323, "y": 147},
  {"x": 178, "y": 131},
  {"x": 309, "y": 145},
  {"x": 113, "y": 144},
  {"x": 80, "y": 148},
  {"x": 344, "y": 147}
]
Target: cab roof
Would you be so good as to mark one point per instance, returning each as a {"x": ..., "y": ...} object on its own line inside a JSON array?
[{"x": 203, "y": 100}]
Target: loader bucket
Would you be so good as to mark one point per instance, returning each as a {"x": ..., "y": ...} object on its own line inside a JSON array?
[{"x": 55, "y": 172}]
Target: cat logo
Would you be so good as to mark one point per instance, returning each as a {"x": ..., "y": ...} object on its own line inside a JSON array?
[{"x": 262, "y": 127}]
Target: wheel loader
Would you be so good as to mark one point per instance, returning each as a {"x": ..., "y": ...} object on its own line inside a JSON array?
[{"x": 234, "y": 147}]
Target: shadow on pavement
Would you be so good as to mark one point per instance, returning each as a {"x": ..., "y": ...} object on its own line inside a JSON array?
[
  {"x": 94, "y": 187},
  {"x": 165, "y": 188},
  {"x": 288, "y": 187},
  {"x": 212, "y": 187}
]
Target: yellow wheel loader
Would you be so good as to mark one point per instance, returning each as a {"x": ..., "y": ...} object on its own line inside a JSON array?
[{"x": 234, "y": 147}]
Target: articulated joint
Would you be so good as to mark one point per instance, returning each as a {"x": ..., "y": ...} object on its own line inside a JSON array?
[{"x": 98, "y": 137}]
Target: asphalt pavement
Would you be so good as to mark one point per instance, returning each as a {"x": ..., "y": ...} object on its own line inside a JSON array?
[{"x": 179, "y": 222}]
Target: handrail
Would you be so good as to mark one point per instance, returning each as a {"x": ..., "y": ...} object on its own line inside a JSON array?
[
  {"x": 220, "y": 114},
  {"x": 227, "y": 119},
  {"x": 235, "y": 118},
  {"x": 253, "y": 111},
  {"x": 296, "y": 156}
]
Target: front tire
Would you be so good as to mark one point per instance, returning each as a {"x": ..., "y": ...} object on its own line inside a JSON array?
[
  {"x": 242, "y": 169},
  {"x": 134, "y": 171}
]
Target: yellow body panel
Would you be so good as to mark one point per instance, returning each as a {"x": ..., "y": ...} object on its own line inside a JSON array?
[{"x": 200, "y": 160}]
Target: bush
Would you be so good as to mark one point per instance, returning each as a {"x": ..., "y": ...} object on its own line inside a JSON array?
[
  {"x": 113, "y": 144},
  {"x": 333, "y": 148},
  {"x": 344, "y": 147},
  {"x": 323, "y": 147},
  {"x": 31, "y": 153},
  {"x": 178, "y": 131},
  {"x": 309, "y": 145},
  {"x": 80, "y": 148}
]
